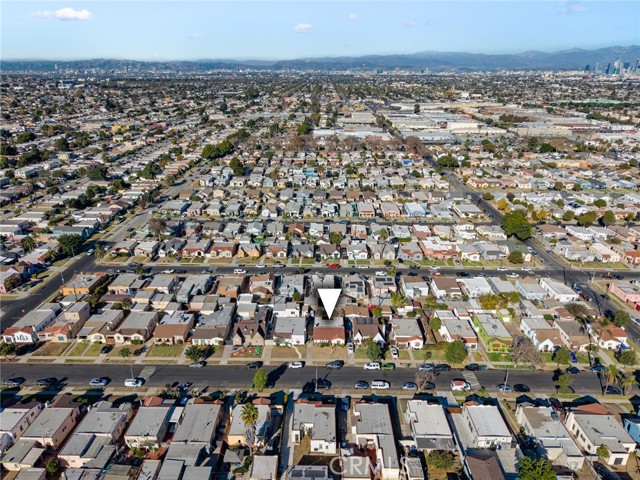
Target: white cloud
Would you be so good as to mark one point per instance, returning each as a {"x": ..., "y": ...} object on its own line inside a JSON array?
[
  {"x": 410, "y": 23},
  {"x": 303, "y": 28},
  {"x": 353, "y": 17},
  {"x": 64, "y": 14},
  {"x": 196, "y": 36},
  {"x": 567, "y": 8}
]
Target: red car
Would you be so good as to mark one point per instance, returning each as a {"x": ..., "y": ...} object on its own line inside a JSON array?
[{"x": 334, "y": 265}]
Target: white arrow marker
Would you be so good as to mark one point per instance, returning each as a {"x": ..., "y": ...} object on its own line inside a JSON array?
[{"x": 329, "y": 298}]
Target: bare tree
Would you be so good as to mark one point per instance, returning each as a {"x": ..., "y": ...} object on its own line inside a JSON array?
[
  {"x": 423, "y": 379},
  {"x": 525, "y": 352},
  {"x": 156, "y": 226}
]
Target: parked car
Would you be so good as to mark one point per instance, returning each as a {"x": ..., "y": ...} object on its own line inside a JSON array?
[
  {"x": 47, "y": 382},
  {"x": 409, "y": 386},
  {"x": 505, "y": 388},
  {"x": 296, "y": 365},
  {"x": 99, "y": 382},
  {"x": 597, "y": 369},
  {"x": 611, "y": 390},
  {"x": 414, "y": 267},
  {"x": 239, "y": 271},
  {"x": 380, "y": 273},
  {"x": 90, "y": 252},
  {"x": 380, "y": 385},
  {"x": 426, "y": 367},
  {"x": 14, "y": 382},
  {"x": 512, "y": 275},
  {"x": 106, "y": 349},
  {"x": 462, "y": 274},
  {"x": 197, "y": 364},
  {"x": 394, "y": 353},
  {"x": 572, "y": 370},
  {"x": 361, "y": 385},
  {"x": 336, "y": 364},
  {"x": 472, "y": 367},
  {"x": 459, "y": 385},
  {"x": 442, "y": 367},
  {"x": 351, "y": 348},
  {"x": 502, "y": 269},
  {"x": 556, "y": 404},
  {"x": 434, "y": 268},
  {"x": 322, "y": 384},
  {"x": 388, "y": 366},
  {"x": 521, "y": 388},
  {"x": 372, "y": 366},
  {"x": 334, "y": 265},
  {"x": 254, "y": 365},
  {"x": 134, "y": 382}
]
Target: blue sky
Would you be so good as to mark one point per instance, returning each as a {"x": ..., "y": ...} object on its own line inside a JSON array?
[{"x": 171, "y": 30}]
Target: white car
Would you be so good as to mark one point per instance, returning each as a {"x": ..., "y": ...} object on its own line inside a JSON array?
[
  {"x": 239, "y": 271},
  {"x": 90, "y": 251},
  {"x": 372, "y": 366},
  {"x": 435, "y": 268},
  {"x": 351, "y": 348},
  {"x": 296, "y": 365},
  {"x": 133, "y": 382},
  {"x": 363, "y": 266},
  {"x": 394, "y": 353},
  {"x": 380, "y": 273},
  {"x": 512, "y": 275},
  {"x": 260, "y": 265},
  {"x": 460, "y": 386},
  {"x": 526, "y": 269},
  {"x": 502, "y": 269},
  {"x": 99, "y": 382}
]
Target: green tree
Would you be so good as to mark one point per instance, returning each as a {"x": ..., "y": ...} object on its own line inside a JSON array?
[
  {"x": 563, "y": 382},
  {"x": 384, "y": 234},
  {"x": 373, "y": 350},
  {"x": 156, "y": 226},
  {"x": 488, "y": 196},
  {"x": 628, "y": 357},
  {"x": 455, "y": 352},
  {"x": 435, "y": 323},
  {"x": 568, "y": 215},
  {"x": 586, "y": 219},
  {"x": 603, "y": 452},
  {"x": 600, "y": 203},
  {"x": 7, "y": 349},
  {"x": 397, "y": 300},
  {"x": 70, "y": 243},
  {"x": 260, "y": 379},
  {"x": 237, "y": 166},
  {"x": 562, "y": 356},
  {"x": 52, "y": 466},
  {"x": 335, "y": 238},
  {"x": 440, "y": 459},
  {"x": 195, "y": 353},
  {"x": 297, "y": 297},
  {"x": 620, "y": 318},
  {"x": 249, "y": 414},
  {"x": 516, "y": 223},
  {"x": 516, "y": 257},
  {"x": 28, "y": 243},
  {"x": 608, "y": 218},
  {"x": 627, "y": 384},
  {"x": 546, "y": 148},
  {"x": 304, "y": 128},
  {"x": 416, "y": 108},
  {"x": 558, "y": 186},
  {"x": 611, "y": 375},
  {"x": 535, "y": 469}
]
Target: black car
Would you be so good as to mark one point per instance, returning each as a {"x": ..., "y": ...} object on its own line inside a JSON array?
[
  {"x": 573, "y": 370},
  {"x": 254, "y": 365},
  {"x": 472, "y": 367},
  {"x": 556, "y": 404},
  {"x": 106, "y": 349},
  {"x": 336, "y": 364},
  {"x": 521, "y": 388},
  {"x": 322, "y": 384},
  {"x": 617, "y": 276},
  {"x": 611, "y": 390},
  {"x": 442, "y": 367},
  {"x": 180, "y": 270},
  {"x": 462, "y": 274},
  {"x": 47, "y": 382},
  {"x": 134, "y": 264},
  {"x": 414, "y": 267}
]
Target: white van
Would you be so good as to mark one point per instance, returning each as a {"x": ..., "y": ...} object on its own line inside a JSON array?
[
  {"x": 133, "y": 382},
  {"x": 380, "y": 385},
  {"x": 239, "y": 271}
]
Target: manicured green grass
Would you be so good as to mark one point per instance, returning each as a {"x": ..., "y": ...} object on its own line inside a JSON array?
[
  {"x": 165, "y": 351},
  {"x": 93, "y": 350},
  {"x": 78, "y": 349},
  {"x": 499, "y": 357}
]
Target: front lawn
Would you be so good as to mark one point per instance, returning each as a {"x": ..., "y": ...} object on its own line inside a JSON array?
[
  {"x": 173, "y": 351},
  {"x": 93, "y": 350},
  {"x": 78, "y": 349},
  {"x": 51, "y": 349}
]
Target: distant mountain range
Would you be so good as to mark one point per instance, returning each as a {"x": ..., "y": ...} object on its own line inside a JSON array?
[{"x": 532, "y": 60}]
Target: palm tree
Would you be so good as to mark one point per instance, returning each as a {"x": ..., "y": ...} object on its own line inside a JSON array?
[
  {"x": 612, "y": 375},
  {"x": 398, "y": 300},
  {"x": 249, "y": 416},
  {"x": 627, "y": 384}
]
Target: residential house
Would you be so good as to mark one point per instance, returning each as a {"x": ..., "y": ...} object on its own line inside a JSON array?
[
  {"x": 317, "y": 421},
  {"x": 429, "y": 426}
]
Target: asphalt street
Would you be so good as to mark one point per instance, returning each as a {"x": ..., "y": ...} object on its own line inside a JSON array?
[{"x": 236, "y": 376}]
